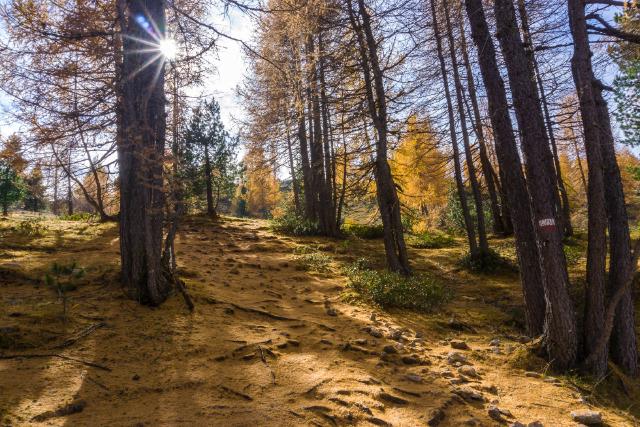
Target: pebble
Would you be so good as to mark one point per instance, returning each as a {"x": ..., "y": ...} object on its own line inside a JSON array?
[
  {"x": 413, "y": 378},
  {"x": 410, "y": 360},
  {"x": 374, "y": 332},
  {"x": 390, "y": 349},
  {"x": 454, "y": 356},
  {"x": 586, "y": 416},
  {"x": 467, "y": 393},
  {"x": 469, "y": 371},
  {"x": 459, "y": 345},
  {"x": 494, "y": 342}
]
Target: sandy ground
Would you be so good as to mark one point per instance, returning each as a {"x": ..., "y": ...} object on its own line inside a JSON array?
[{"x": 268, "y": 344}]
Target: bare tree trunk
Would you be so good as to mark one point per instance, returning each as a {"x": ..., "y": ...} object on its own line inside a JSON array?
[
  {"x": 487, "y": 170},
  {"x": 471, "y": 168},
  {"x": 55, "y": 208},
  {"x": 304, "y": 159},
  {"x": 388, "y": 202},
  {"x": 513, "y": 181},
  {"x": 211, "y": 211},
  {"x": 597, "y": 243},
  {"x": 564, "y": 198},
  {"x": 560, "y": 324},
  {"x": 140, "y": 154},
  {"x": 292, "y": 170},
  {"x": 462, "y": 195},
  {"x": 624, "y": 348}
]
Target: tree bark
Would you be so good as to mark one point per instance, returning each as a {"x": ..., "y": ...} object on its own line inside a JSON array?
[
  {"x": 292, "y": 170},
  {"x": 560, "y": 324},
  {"x": 140, "y": 153},
  {"x": 211, "y": 211},
  {"x": 499, "y": 226},
  {"x": 597, "y": 245},
  {"x": 513, "y": 181},
  {"x": 564, "y": 198},
  {"x": 471, "y": 168},
  {"x": 462, "y": 195},
  {"x": 388, "y": 202}
]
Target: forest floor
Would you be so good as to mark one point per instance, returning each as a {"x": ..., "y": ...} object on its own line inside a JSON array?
[{"x": 269, "y": 343}]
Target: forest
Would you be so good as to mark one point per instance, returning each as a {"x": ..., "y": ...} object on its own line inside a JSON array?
[{"x": 319, "y": 212}]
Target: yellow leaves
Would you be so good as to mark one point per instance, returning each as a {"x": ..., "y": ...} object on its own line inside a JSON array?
[
  {"x": 419, "y": 169},
  {"x": 262, "y": 186}
]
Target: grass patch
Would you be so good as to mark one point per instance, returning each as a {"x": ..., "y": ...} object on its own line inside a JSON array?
[
  {"x": 294, "y": 225},
  {"x": 364, "y": 231},
  {"x": 419, "y": 292},
  {"x": 486, "y": 262},
  {"x": 429, "y": 240},
  {"x": 312, "y": 259},
  {"x": 80, "y": 216}
]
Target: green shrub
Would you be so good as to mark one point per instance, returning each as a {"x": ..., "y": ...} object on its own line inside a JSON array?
[
  {"x": 79, "y": 216},
  {"x": 364, "y": 231},
  {"x": 428, "y": 240},
  {"x": 294, "y": 225},
  {"x": 31, "y": 227},
  {"x": 486, "y": 262},
  {"x": 419, "y": 292},
  {"x": 311, "y": 259},
  {"x": 573, "y": 254}
]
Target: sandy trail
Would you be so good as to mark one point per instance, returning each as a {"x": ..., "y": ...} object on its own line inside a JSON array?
[{"x": 269, "y": 344}]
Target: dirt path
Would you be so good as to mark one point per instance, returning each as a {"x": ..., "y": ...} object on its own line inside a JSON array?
[{"x": 269, "y": 344}]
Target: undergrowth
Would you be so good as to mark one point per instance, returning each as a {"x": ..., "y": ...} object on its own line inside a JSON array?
[
  {"x": 486, "y": 262},
  {"x": 312, "y": 259},
  {"x": 419, "y": 292},
  {"x": 364, "y": 231},
  {"x": 293, "y": 224},
  {"x": 429, "y": 240}
]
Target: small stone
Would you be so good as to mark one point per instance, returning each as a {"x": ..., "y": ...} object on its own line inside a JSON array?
[
  {"x": 437, "y": 416},
  {"x": 459, "y": 345},
  {"x": 586, "y": 416},
  {"x": 495, "y": 413},
  {"x": 458, "y": 381},
  {"x": 325, "y": 341},
  {"x": 454, "y": 356},
  {"x": 410, "y": 360},
  {"x": 229, "y": 311},
  {"x": 467, "y": 393},
  {"x": 531, "y": 374},
  {"x": 469, "y": 371},
  {"x": 446, "y": 373},
  {"x": 396, "y": 335},
  {"x": 294, "y": 343},
  {"x": 419, "y": 334},
  {"x": 494, "y": 342},
  {"x": 374, "y": 332},
  {"x": 413, "y": 378},
  {"x": 535, "y": 424},
  {"x": 517, "y": 424},
  {"x": 331, "y": 311},
  {"x": 136, "y": 377},
  {"x": 390, "y": 349},
  {"x": 361, "y": 341}
]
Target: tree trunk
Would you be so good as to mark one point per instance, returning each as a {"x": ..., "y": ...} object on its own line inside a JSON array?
[
  {"x": 292, "y": 171},
  {"x": 388, "y": 202},
  {"x": 304, "y": 160},
  {"x": 597, "y": 244},
  {"x": 560, "y": 325},
  {"x": 211, "y": 211},
  {"x": 471, "y": 168},
  {"x": 140, "y": 153},
  {"x": 513, "y": 181},
  {"x": 499, "y": 226},
  {"x": 462, "y": 194},
  {"x": 624, "y": 348},
  {"x": 565, "y": 211}
]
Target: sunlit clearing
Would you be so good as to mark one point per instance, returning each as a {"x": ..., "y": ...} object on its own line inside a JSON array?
[{"x": 168, "y": 48}]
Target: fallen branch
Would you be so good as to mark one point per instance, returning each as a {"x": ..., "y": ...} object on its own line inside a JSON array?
[
  {"x": 87, "y": 331},
  {"x": 60, "y": 356},
  {"x": 237, "y": 393}
]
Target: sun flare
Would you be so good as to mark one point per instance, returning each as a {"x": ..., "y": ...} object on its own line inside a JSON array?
[{"x": 168, "y": 48}]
